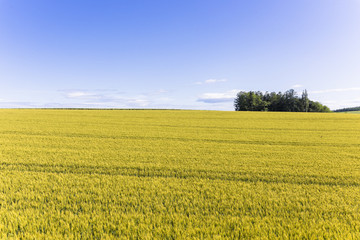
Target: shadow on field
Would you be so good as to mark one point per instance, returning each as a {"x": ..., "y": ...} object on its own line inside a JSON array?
[{"x": 137, "y": 171}]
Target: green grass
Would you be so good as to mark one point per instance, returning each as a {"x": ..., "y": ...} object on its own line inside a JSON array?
[{"x": 125, "y": 174}]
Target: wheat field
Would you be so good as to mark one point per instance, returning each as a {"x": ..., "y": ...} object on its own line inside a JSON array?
[{"x": 176, "y": 174}]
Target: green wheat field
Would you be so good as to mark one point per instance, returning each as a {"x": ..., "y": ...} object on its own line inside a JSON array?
[{"x": 176, "y": 174}]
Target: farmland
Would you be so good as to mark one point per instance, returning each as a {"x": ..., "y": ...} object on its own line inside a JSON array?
[{"x": 167, "y": 174}]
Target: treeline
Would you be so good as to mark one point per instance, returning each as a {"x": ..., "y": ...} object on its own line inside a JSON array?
[
  {"x": 348, "y": 109},
  {"x": 280, "y": 102}
]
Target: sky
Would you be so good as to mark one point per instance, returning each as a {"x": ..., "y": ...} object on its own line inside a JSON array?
[{"x": 180, "y": 54}]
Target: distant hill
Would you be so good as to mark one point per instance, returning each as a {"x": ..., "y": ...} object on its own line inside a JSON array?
[{"x": 348, "y": 109}]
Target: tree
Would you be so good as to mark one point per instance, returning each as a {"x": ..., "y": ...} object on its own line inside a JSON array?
[
  {"x": 288, "y": 102},
  {"x": 317, "y": 107},
  {"x": 250, "y": 101},
  {"x": 348, "y": 109},
  {"x": 255, "y": 101},
  {"x": 291, "y": 101},
  {"x": 274, "y": 101},
  {"x": 241, "y": 102},
  {"x": 305, "y": 101}
]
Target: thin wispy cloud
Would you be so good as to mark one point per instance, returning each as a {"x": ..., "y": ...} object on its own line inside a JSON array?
[
  {"x": 113, "y": 99},
  {"x": 297, "y": 86},
  {"x": 335, "y": 90},
  {"x": 14, "y": 104},
  {"x": 157, "y": 92},
  {"x": 355, "y": 102},
  {"x": 218, "y": 97},
  {"x": 138, "y": 102},
  {"x": 211, "y": 80},
  {"x": 87, "y": 94},
  {"x": 78, "y": 94}
]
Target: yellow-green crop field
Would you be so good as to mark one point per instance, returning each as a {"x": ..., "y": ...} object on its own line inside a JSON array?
[{"x": 167, "y": 174}]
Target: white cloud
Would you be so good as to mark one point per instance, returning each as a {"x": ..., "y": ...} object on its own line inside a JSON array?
[
  {"x": 78, "y": 94},
  {"x": 297, "y": 86},
  {"x": 156, "y": 92},
  {"x": 13, "y": 104},
  {"x": 211, "y": 80},
  {"x": 218, "y": 97},
  {"x": 342, "y": 103},
  {"x": 138, "y": 102},
  {"x": 162, "y": 91},
  {"x": 335, "y": 90},
  {"x": 113, "y": 99}
]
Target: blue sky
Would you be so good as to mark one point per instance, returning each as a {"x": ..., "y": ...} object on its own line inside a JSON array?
[{"x": 187, "y": 54}]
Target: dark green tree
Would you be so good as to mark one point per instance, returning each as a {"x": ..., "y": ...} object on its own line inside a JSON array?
[
  {"x": 241, "y": 102},
  {"x": 250, "y": 101},
  {"x": 317, "y": 107},
  {"x": 305, "y": 101},
  {"x": 287, "y": 102}
]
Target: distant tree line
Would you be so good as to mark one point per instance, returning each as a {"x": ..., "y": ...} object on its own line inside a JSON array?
[
  {"x": 348, "y": 109},
  {"x": 280, "y": 102}
]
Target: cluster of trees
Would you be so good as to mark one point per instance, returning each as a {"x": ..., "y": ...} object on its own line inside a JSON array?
[
  {"x": 351, "y": 109},
  {"x": 282, "y": 102}
]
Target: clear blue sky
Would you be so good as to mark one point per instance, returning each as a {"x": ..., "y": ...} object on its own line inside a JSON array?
[{"x": 186, "y": 54}]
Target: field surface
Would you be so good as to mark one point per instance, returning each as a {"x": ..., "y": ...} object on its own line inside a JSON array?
[{"x": 153, "y": 174}]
